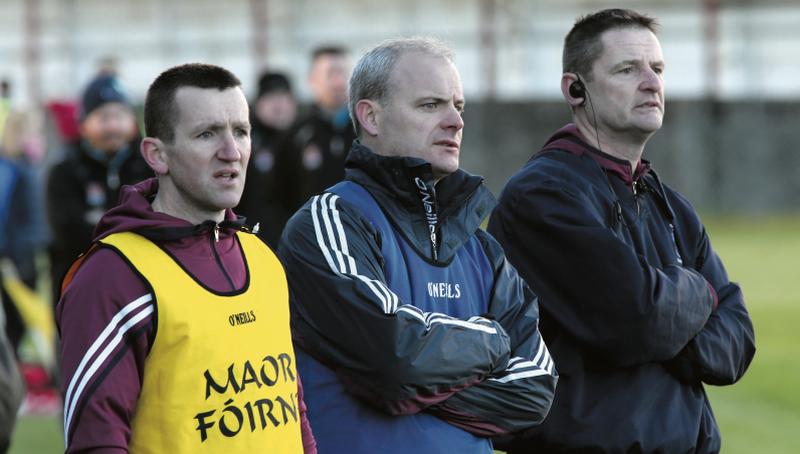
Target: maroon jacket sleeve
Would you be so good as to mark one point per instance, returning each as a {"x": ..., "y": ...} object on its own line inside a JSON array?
[
  {"x": 105, "y": 320},
  {"x": 309, "y": 443}
]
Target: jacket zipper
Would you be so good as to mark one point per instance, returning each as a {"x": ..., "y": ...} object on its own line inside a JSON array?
[
  {"x": 675, "y": 244},
  {"x": 428, "y": 198},
  {"x": 217, "y": 258}
]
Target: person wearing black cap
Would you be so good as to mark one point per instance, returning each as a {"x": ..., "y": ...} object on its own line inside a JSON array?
[
  {"x": 86, "y": 182},
  {"x": 272, "y": 113}
]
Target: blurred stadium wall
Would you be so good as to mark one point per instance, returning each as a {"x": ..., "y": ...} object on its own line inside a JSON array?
[{"x": 729, "y": 140}]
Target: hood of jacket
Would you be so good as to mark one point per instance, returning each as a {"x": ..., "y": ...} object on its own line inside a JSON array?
[
  {"x": 135, "y": 214},
  {"x": 641, "y": 179},
  {"x": 447, "y": 212},
  {"x": 569, "y": 138}
]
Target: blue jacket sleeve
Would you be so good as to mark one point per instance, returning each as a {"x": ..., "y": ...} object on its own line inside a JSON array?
[
  {"x": 721, "y": 352},
  {"x": 519, "y": 396},
  {"x": 386, "y": 352},
  {"x": 593, "y": 284}
]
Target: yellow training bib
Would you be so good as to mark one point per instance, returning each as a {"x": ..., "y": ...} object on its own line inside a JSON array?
[{"x": 220, "y": 376}]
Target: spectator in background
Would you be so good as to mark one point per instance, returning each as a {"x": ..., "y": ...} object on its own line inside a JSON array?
[
  {"x": 636, "y": 305},
  {"x": 86, "y": 183},
  {"x": 5, "y": 103},
  {"x": 12, "y": 205},
  {"x": 21, "y": 206},
  {"x": 17, "y": 246},
  {"x": 273, "y": 113},
  {"x": 317, "y": 145}
]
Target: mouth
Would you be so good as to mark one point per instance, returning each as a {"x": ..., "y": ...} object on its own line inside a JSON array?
[
  {"x": 226, "y": 175},
  {"x": 447, "y": 143},
  {"x": 650, "y": 105}
]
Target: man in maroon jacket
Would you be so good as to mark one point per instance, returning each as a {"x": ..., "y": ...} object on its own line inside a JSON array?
[{"x": 113, "y": 310}]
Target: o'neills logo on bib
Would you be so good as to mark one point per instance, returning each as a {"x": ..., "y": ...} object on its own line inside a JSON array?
[
  {"x": 444, "y": 290},
  {"x": 237, "y": 415}
]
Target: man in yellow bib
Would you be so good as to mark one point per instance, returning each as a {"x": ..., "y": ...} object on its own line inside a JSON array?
[{"x": 175, "y": 325}]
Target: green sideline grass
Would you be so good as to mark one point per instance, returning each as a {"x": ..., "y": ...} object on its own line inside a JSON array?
[{"x": 761, "y": 413}]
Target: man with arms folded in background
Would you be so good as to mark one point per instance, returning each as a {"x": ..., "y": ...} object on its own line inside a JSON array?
[
  {"x": 636, "y": 305},
  {"x": 175, "y": 325},
  {"x": 414, "y": 333}
]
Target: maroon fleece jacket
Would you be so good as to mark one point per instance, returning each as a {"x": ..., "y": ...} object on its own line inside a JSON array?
[{"x": 98, "y": 414}]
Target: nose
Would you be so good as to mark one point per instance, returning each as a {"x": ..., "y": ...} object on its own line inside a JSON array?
[
  {"x": 652, "y": 81},
  {"x": 453, "y": 119},
  {"x": 229, "y": 148}
]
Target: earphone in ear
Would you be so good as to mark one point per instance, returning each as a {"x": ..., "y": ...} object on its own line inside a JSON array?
[{"x": 578, "y": 90}]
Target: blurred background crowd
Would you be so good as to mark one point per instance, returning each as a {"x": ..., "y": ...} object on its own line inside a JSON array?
[{"x": 73, "y": 74}]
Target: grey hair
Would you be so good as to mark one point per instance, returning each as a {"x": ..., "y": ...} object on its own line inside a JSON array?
[{"x": 370, "y": 78}]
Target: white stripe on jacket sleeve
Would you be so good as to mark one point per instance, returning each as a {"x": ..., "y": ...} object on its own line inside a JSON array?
[
  {"x": 334, "y": 247},
  {"x": 141, "y": 307}
]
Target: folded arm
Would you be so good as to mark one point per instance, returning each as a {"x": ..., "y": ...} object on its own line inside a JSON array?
[
  {"x": 721, "y": 352},
  {"x": 592, "y": 283},
  {"x": 519, "y": 396}
]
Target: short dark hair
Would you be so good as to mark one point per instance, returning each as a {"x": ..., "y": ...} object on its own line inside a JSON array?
[
  {"x": 333, "y": 50},
  {"x": 582, "y": 46},
  {"x": 160, "y": 111}
]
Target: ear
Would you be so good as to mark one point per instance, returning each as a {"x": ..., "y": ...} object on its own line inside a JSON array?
[
  {"x": 568, "y": 79},
  {"x": 154, "y": 153},
  {"x": 368, "y": 113}
]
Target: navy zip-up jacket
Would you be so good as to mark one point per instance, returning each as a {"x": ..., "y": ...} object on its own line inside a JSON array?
[
  {"x": 636, "y": 306},
  {"x": 413, "y": 332}
]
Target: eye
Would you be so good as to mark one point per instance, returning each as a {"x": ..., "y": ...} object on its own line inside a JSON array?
[
  {"x": 626, "y": 70},
  {"x": 430, "y": 105},
  {"x": 241, "y": 132},
  {"x": 205, "y": 135},
  {"x": 658, "y": 70}
]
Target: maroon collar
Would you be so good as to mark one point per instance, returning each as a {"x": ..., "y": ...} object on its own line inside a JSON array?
[{"x": 570, "y": 139}]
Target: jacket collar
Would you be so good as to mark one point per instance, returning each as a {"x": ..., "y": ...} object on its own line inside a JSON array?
[
  {"x": 134, "y": 213},
  {"x": 569, "y": 138},
  {"x": 397, "y": 176},
  {"x": 404, "y": 188}
]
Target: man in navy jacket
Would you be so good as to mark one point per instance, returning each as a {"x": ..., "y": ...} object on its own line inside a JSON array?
[
  {"x": 636, "y": 305},
  {"x": 413, "y": 332}
]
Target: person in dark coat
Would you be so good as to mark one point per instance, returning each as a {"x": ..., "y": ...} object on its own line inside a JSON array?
[
  {"x": 412, "y": 331},
  {"x": 636, "y": 306},
  {"x": 87, "y": 182},
  {"x": 317, "y": 145},
  {"x": 272, "y": 114}
]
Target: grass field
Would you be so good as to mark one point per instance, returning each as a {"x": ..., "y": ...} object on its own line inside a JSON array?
[{"x": 761, "y": 413}]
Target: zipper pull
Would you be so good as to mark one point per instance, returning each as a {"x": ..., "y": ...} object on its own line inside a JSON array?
[
  {"x": 675, "y": 244},
  {"x": 216, "y": 233}
]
